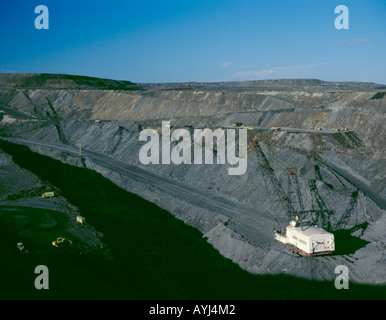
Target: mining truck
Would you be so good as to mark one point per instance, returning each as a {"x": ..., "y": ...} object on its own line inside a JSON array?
[{"x": 48, "y": 194}]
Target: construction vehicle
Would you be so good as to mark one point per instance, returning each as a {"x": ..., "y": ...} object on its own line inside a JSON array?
[
  {"x": 97, "y": 121},
  {"x": 300, "y": 236},
  {"x": 61, "y": 241},
  {"x": 48, "y": 194},
  {"x": 305, "y": 239},
  {"x": 303, "y": 236},
  {"x": 80, "y": 219}
]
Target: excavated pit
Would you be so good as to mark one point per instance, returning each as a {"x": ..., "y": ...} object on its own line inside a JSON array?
[{"x": 342, "y": 171}]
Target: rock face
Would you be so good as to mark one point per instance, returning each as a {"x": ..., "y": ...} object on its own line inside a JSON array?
[{"x": 340, "y": 173}]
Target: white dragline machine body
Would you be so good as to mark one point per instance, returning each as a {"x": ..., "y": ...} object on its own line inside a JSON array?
[{"x": 305, "y": 239}]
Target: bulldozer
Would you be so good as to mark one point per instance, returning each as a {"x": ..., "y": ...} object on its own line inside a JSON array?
[{"x": 61, "y": 242}]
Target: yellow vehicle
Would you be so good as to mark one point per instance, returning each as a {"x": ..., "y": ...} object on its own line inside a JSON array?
[
  {"x": 97, "y": 121},
  {"x": 249, "y": 128},
  {"x": 275, "y": 128},
  {"x": 80, "y": 219},
  {"x": 60, "y": 242},
  {"x": 48, "y": 194}
]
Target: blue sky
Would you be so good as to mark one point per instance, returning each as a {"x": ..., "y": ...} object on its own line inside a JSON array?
[{"x": 200, "y": 40}]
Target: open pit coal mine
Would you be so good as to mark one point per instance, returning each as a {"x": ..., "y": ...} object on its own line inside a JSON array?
[{"x": 331, "y": 133}]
